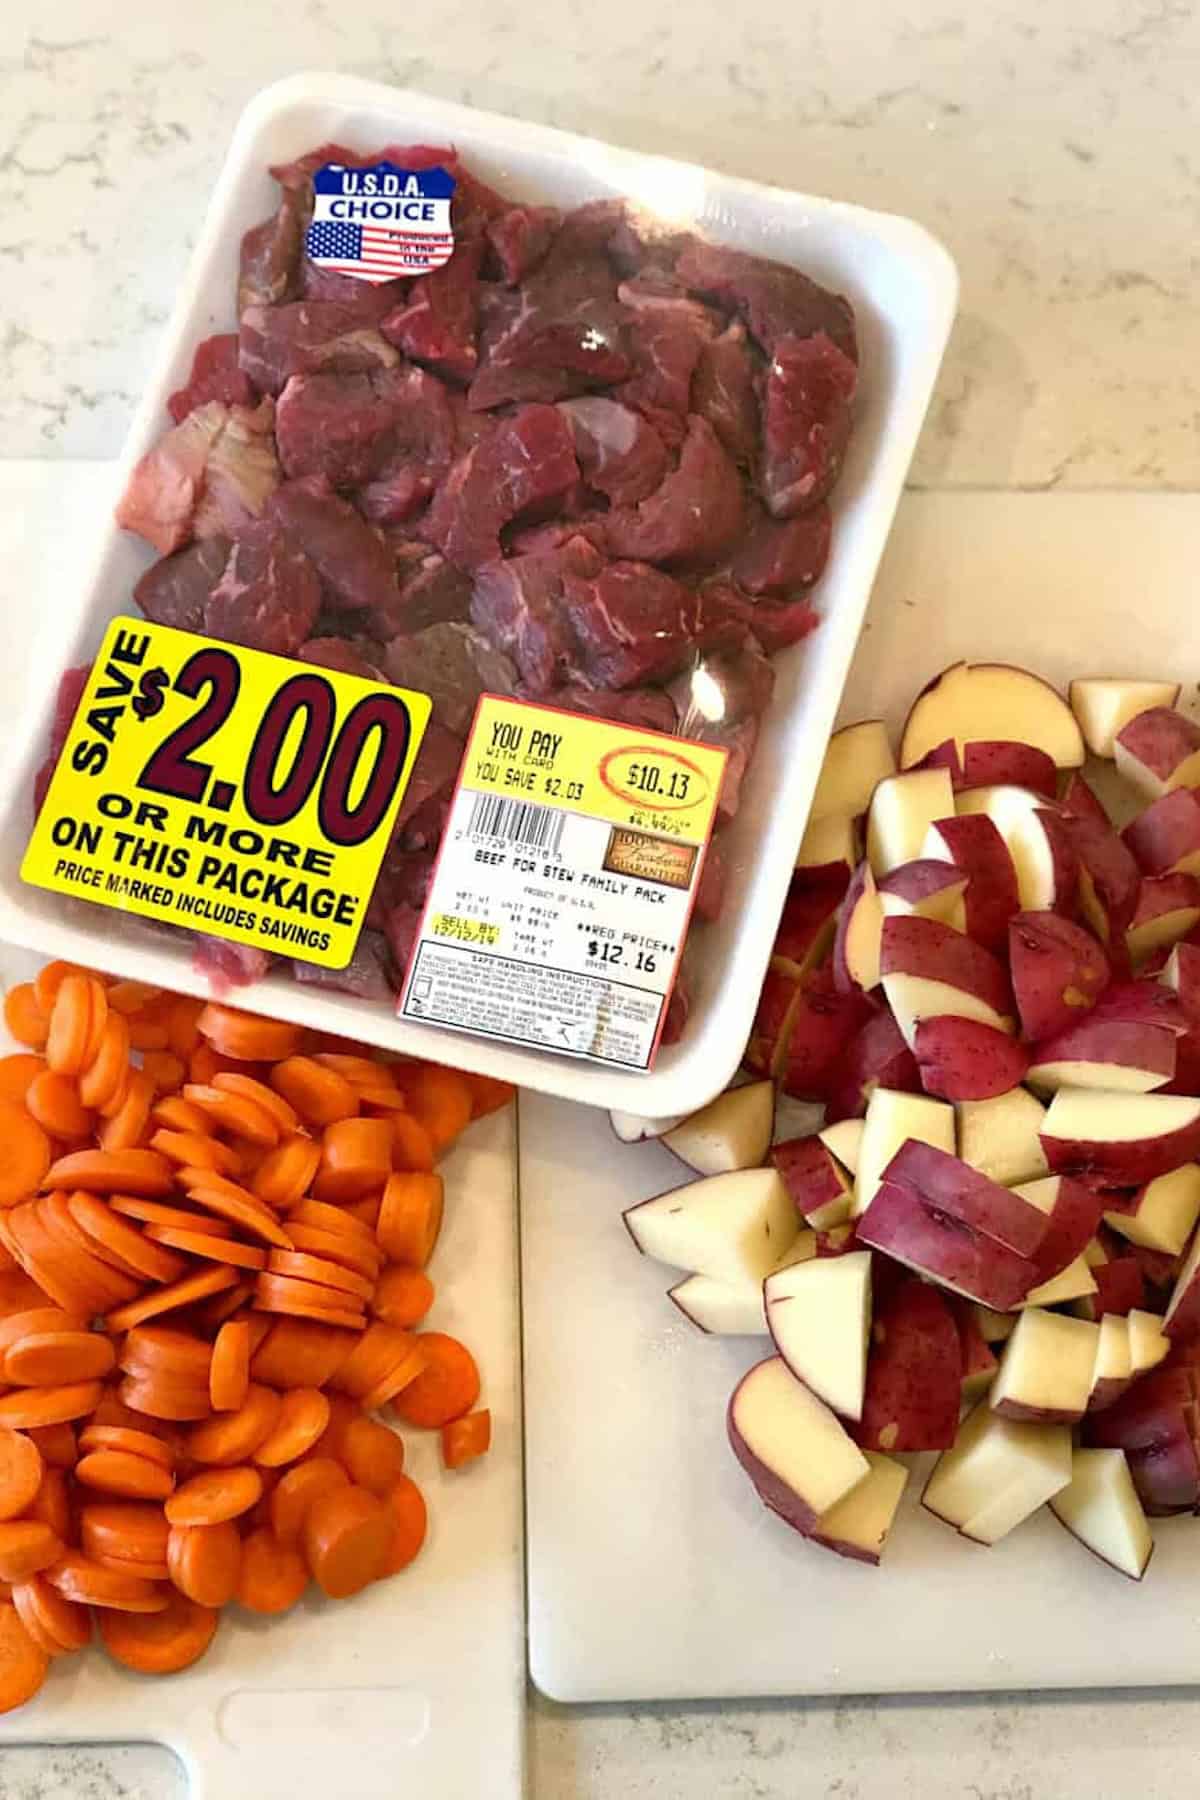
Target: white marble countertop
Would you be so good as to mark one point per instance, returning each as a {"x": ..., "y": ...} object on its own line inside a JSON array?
[{"x": 1051, "y": 145}]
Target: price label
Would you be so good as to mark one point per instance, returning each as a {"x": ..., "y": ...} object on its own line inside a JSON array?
[
  {"x": 226, "y": 790},
  {"x": 565, "y": 882}
]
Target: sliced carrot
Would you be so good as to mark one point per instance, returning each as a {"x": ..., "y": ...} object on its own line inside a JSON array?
[
  {"x": 196, "y": 1150},
  {"x": 27, "y": 1546},
  {"x": 230, "y": 1081},
  {"x": 234, "y": 1113},
  {"x": 366, "y": 1212},
  {"x": 342, "y": 1412},
  {"x": 49, "y": 979},
  {"x": 295, "y": 1492},
  {"x": 90, "y": 1583},
  {"x": 23, "y": 1662},
  {"x": 210, "y": 1317},
  {"x": 17, "y": 1072},
  {"x": 26, "y": 1153},
  {"x": 153, "y": 1212},
  {"x": 247, "y": 1037},
  {"x": 373, "y": 1456},
  {"x": 405, "y": 1505},
  {"x": 300, "y": 1351},
  {"x": 203, "y": 1561},
  {"x": 172, "y": 1639},
  {"x": 356, "y": 1157},
  {"x": 130, "y": 1442},
  {"x": 233, "y": 1437},
  {"x": 166, "y": 1350},
  {"x": 50, "y": 1230},
  {"x": 166, "y": 1070},
  {"x": 24, "y": 1017},
  {"x": 52, "y": 1358},
  {"x": 322, "y": 1217},
  {"x": 273, "y": 1576},
  {"x": 465, "y": 1439},
  {"x": 319, "y": 1095},
  {"x": 115, "y": 1241},
  {"x": 380, "y": 1349},
  {"x": 216, "y": 1249},
  {"x": 159, "y": 1399},
  {"x": 214, "y": 1496},
  {"x": 488, "y": 1095},
  {"x": 396, "y": 1379},
  {"x": 241, "y": 1208},
  {"x": 410, "y": 1217},
  {"x": 17, "y": 1292},
  {"x": 53, "y": 1100},
  {"x": 37, "y": 1318},
  {"x": 229, "y": 1371},
  {"x": 124, "y": 1533},
  {"x": 117, "y": 1472},
  {"x": 447, "y": 1387},
  {"x": 104, "y": 1075},
  {"x": 412, "y": 1146},
  {"x": 21, "y": 1471},
  {"x": 286, "y": 1173},
  {"x": 52, "y": 1504},
  {"x": 177, "y": 1293},
  {"x": 131, "y": 996},
  {"x": 297, "y": 1308},
  {"x": 148, "y": 1030},
  {"x": 272, "y": 1289},
  {"x": 112, "y": 1172},
  {"x": 347, "y": 1533},
  {"x": 382, "y": 1101},
  {"x": 126, "y": 1127},
  {"x": 25, "y": 1408},
  {"x": 303, "y": 1417},
  {"x": 70, "y": 1025},
  {"x": 439, "y": 1098},
  {"x": 357, "y": 1252},
  {"x": 171, "y": 1112},
  {"x": 354, "y": 1069},
  {"x": 63, "y": 1625},
  {"x": 57, "y": 1445},
  {"x": 402, "y": 1296},
  {"x": 303, "y": 1267}
]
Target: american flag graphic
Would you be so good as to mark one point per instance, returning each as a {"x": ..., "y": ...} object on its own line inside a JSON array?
[{"x": 375, "y": 252}]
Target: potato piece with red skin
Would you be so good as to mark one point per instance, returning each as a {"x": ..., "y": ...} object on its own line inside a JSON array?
[{"x": 1058, "y": 971}]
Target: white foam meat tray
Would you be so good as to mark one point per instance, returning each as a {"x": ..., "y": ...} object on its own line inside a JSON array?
[{"x": 904, "y": 288}]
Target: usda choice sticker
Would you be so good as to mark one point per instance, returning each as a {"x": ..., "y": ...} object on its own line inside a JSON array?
[
  {"x": 380, "y": 222},
  {"x": 565, "y": 882}
]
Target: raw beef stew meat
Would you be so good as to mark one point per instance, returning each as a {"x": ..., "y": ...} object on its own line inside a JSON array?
[{"x": 586, "y": 461}]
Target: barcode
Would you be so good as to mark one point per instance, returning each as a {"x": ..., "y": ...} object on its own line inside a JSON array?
[{"x": 519, "y": 821}]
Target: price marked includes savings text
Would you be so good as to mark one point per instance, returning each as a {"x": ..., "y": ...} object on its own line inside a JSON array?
[
  {"x": 565, "y": 882},
  {"x": 227, "y": 791}
]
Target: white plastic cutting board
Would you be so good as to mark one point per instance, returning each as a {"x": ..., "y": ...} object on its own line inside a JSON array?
[
  {"x": 416, "y": 1687},
  {"x": 654, "y": 1572}
]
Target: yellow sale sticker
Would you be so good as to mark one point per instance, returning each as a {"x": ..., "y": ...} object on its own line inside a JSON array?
[{"x": 227, "y": 791}]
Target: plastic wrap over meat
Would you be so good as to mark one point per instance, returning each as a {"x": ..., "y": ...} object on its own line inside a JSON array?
[{"x": 587, "y": 462}]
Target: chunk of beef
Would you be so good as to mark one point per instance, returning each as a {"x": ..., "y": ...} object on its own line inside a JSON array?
[
  {"x": 403, "y": 880},
  {"x": 365, "y": 975},
  {"x": 639, "y": 244},
  {"x": 432, "y": 591},
  {"x": 775, "y": 300},
  {"x": 434, "y": 772},
  {"x": 648, "y": 709},
  {"x": 780, "y": 555},
  {"x": 402, "y": 925},
  {"x": 269, "y": 594},
  {"x": 392, "y": 424},
  {"x": 774, "y": 625},
  {"x": 678, "y": 1008},
  {"x": 454, "y": 665},
  {"x": 619, "y": 452},
  {"x": 215, "y": 375},
  {"x": 369, "y": 301},
  {"x": 524, "y": 462},
  {"x": 307, "y": 337},
  {"x": 520, "y": 237},
  {"x": 436, "y": 324},
  {"x": 724, "y": 392},
  {"x": 806, "y": 422},
  {"x": 714, "y": 878},
  {"x": 740, "y": 740},
  {"x": 71, "y": 684},
  {"x": 227, "y": 965},
  {"x": 241, "y": 474},
  {"x": 633, "y": 624},
  {"x": 160, "y": 499},
  {"x": 722, "y": 688},
  {"x": 352, "y": 560},
  {"x": 519, "y": 605},
  {"x": 270, "y": 253},
  {"x": 175, "y": 589},
  {"x": 692, "y": 517},
  {"x": 666, "y": 338},
  {"x": 564, "y": 328},
  {"x": 342, "y": 654}
]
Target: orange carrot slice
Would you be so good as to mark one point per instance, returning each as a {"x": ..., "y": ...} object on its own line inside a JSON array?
[
  {"x": 23, "y": 1661},
  {"x": 214, "y": 1496},
  {"x": 229, "y": 1372},
  {"x": 402, "y": 1296},
  {"x": 24, "y": 1017},
  {"x": 172, "y": 1639},
  {"x": 409, "y": 1521},
  {"x": 303, "y": 1417},
  {"x": 410, "y": 1217},
  {"x": 447, "y": 1387}
]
